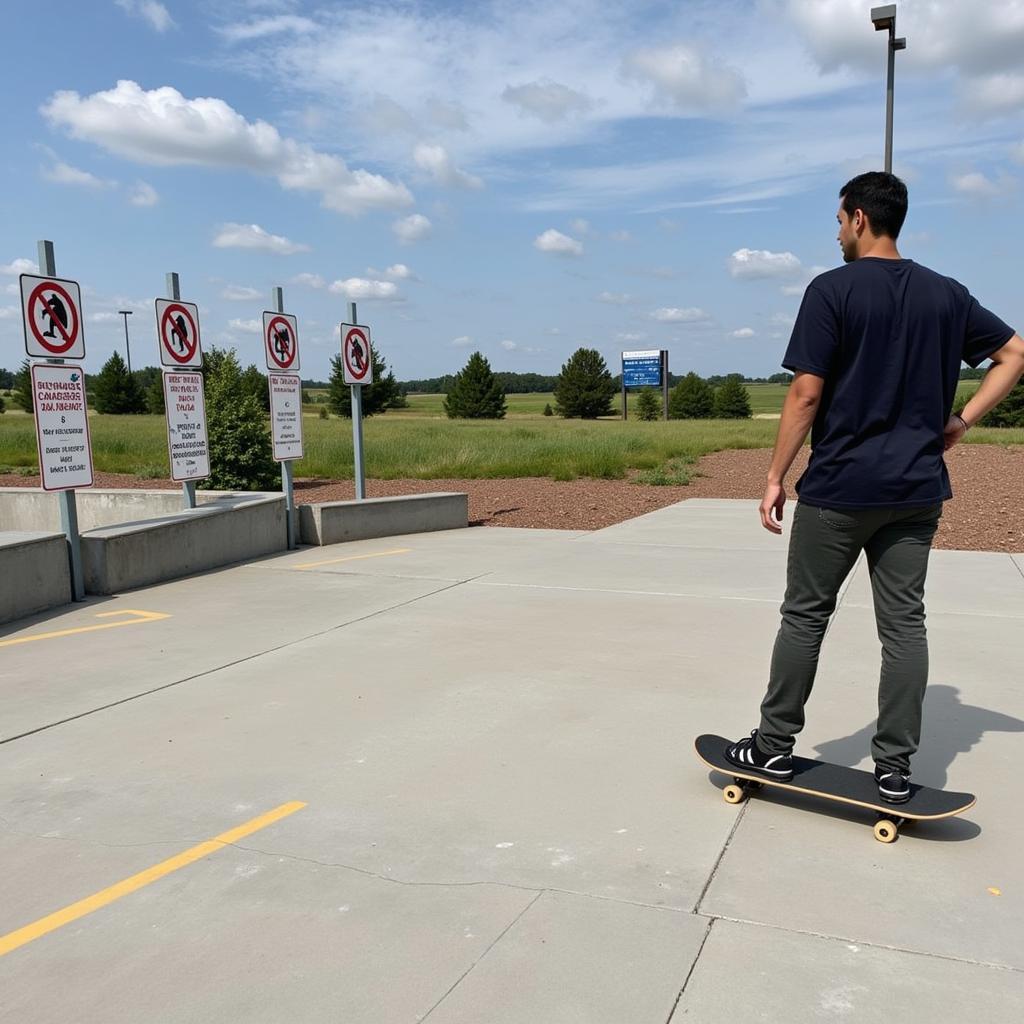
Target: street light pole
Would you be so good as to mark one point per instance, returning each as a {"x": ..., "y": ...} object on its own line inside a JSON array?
[
  {"x": 885, "y": 18},
  {"x": 127, "y": 348}
]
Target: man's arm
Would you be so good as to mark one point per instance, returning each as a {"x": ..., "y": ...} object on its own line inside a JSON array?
[
  {"x": 1006, "y": 369},
  {"x": 798, "y": 412}
]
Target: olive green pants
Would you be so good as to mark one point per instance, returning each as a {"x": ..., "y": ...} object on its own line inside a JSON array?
[{"x": 824, "y": 545}]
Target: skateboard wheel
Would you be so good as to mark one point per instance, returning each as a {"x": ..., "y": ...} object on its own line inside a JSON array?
[
  {"x": 734, "y": 794},
  {"x": 886, "y": 831}
]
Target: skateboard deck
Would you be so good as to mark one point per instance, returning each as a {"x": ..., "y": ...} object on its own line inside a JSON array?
[{"x": 836, "y": 782}]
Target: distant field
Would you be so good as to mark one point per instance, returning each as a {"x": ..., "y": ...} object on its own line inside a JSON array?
[{"x": 422, "y": 443}]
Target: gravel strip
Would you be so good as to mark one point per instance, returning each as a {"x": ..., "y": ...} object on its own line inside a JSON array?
[{"x": 986, "y": 513}]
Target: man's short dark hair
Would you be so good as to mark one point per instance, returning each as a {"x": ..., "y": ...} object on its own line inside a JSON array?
[{"x": 882, "y": 196}]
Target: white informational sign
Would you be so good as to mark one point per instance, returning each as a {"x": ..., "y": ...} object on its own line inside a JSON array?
[
  {"x": 356, "y": 354},
  {"x": 62, "y": 426},
  {"x": 647, "y": 353},
  {"x": 177, "y": 332},
  {"x": 185, "y": 403},
  {"x": 51, "y": 310},
  {"x": 281, "y": 342},
  {"x": 286, "y": 415}
]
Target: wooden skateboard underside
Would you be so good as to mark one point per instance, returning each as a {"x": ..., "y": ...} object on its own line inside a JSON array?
[{"x": 836, "y": 782}]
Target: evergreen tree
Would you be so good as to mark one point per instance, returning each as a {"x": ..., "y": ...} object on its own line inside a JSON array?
[
  {"x": 381, "y": 395},
  {"x": 241, "y": 457},
  {"x": 648, "y": 406},
  {"x": 1009, "y": 412},
  {"x": 732, "y": 401},
  {"x": 23, "y": 388},
  {"x": 691, "y": 399},
  {"x": 6, "y": 380},
  {"x": 3, "y": 408},
  {"x": 254, "y": 382},
  {"x": 115, "y": 390},
  {"x": 475, "y": 393},
  {"x": 548, "y": 411},
  {"x": 584, "y": 389},
  {"x": 155, "y": 396}
]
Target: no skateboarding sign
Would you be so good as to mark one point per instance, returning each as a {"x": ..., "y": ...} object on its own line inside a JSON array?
[
  {"x": 356, "y": 354},
  {"x": 62, "y": 426},
  {"x": 281, "y": 341},
  {"x": 52, "y": 312},
  {"x": 177, "y": 328},
  {"x": 286, "y": 415}
]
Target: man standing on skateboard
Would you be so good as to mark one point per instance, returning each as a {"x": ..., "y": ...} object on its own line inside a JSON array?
[{"x": 876, "y": 353}]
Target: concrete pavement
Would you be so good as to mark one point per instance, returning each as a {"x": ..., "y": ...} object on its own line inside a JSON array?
[{"x": 504, "y": 822}]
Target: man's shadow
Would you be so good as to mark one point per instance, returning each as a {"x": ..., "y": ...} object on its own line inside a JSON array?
[{"x": 950, "y": 727}]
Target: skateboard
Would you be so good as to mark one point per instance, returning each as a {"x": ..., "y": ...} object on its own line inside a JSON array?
[{"x": 835, "y": 782}]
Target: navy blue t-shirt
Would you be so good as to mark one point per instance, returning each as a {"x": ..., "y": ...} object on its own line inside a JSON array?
[{"x": 888, "y": 337}]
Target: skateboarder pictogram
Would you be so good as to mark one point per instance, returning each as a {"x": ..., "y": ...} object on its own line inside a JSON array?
[
  {"x": 54, "y": 311},
  {"x": 179, "y": 332},
  {"x": 358, "y": 355}
]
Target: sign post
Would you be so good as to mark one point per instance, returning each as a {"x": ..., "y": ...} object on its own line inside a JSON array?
[
  {"x": 281, "y": 341},
  {"x": 52, "y": 310},
  {"x": 357, "y": 360},
  {"x": 177, "y": 332},
  {"x": 646, "y": 369}
]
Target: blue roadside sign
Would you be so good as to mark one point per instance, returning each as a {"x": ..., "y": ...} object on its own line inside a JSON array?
[{"x": 641, "y": 369}]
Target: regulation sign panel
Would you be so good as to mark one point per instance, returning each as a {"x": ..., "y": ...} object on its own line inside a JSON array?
[
  {"x": 185, "y": 403},
  {"x": 356, "y": 354},
  {"x": 286, "y": 415},
  {"x": 177, "y": 331},
  {"x": 641, "y": 369},
  {"x": 281, "y": 341},
  {"x": 62, "y": 426},
  {"x": 51, "y": 309}
]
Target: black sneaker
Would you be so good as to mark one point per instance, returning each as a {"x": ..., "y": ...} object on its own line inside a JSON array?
[
  {"x": 893, "y": 786},
  {"x": 745, "y": 754}
]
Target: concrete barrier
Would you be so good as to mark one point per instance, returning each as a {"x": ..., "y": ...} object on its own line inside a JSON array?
[
  {"x": 229, "y": 529},
  {"x": 338, "y": 521},
  {"x": 27, "y": 508},
  {"x": 34, "y": 573}
]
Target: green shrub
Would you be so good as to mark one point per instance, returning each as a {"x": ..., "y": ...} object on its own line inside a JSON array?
[
  {"x": 475, "y": 393},
  {"x": 585, "y": 388}
]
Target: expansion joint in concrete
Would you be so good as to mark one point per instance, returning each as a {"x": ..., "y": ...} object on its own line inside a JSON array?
[{"x": 693, "y": 967}]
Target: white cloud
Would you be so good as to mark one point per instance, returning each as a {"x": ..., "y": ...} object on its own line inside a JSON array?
[
  {"x": 64, "y": 174},
  {"x": 981, "y": 41},
  {"x": 749, "y": 264},
  {"x": 782, "y": 320},
  {"x": 162, "y": 127},
  {"x": 513, "y": 346},
  {"x": 614, "y": 298},
  {"x": 621, "y": 236},
  {"x": 246, "y": 326},
  {"x": 686, "y": 77},
  {"x": 252, "y": 236},
  {"x": 744, "y": 332},
  {"x": 17, "y": 266},
  {"x": 399, "y": 272},
  {"x": 509, "y": 346},
  {"x": 239, "y": 293},
  {"x": 978, "y": 186},
  {"x": 355, "y": 288},
  {"x": 580, "y": 226},
  {"x": 9, "y": 312},
  {"x": 631, "y": 336},
  {"x": 674, "y": 315},
  {"x": 308, "y": 280},
  {"x": 546, "y": 100},
  {"x": 438, "y": 164},
  {"x": 809, "y": 275},
  {"x": 151, "y": 10},
  {"x": 103, "y": 318},
  {"x": 144, "y": 195},
  {"x": 412, "y": 228},
  {"x": 555, "y": 242},
  {"x": 462, "y": 341},
  {"x": 263, "y": 27}
]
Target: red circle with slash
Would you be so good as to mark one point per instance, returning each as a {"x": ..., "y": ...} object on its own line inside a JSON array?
[
  {"x": 272, "y": 328},
  {"x": 69, "y": 334},
  {"x": 356, "y": 334},
  {"x": 169, "y": 329}
]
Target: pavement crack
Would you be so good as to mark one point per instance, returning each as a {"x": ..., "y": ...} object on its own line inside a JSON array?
[
  {"x": 458, "y": 981},
  {"x": 237, "y": 661},
  {"x": 693, "y": 967},
  {"x": 721, "y": 857}
]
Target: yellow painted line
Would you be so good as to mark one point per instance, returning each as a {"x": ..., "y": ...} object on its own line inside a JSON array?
[
  {"x": 139, "y": 616},
  {"x": 354, "y": 558},
  {"x": 12, "y": 940}
]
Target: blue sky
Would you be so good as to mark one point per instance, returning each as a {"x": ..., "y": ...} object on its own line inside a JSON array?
[{"x": 520, "y": 178}]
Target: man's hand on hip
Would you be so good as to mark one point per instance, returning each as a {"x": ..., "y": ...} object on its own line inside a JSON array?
[{"x": 774, "y": 499}]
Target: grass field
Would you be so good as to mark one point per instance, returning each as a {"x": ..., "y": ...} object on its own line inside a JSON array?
[{"x": 421, "y": 443}]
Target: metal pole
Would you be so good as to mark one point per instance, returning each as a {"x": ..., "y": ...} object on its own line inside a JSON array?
[
  {"x": 287, "y": 471},
  {"x": 623, "y": 394},
  {"x": 357, "y": 422},
  {"x": 188, "y": 487},
  {"x": 889, "y": 98},
  {"x": 664, "y": 384},
  {"x": 66, "y": 499},
  {"x": 127, "y": 346}
]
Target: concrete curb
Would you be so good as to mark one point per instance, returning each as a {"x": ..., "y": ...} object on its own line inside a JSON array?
[
  {"x": 338, "y": 521},
  {"x": 34, "y": 573}
]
